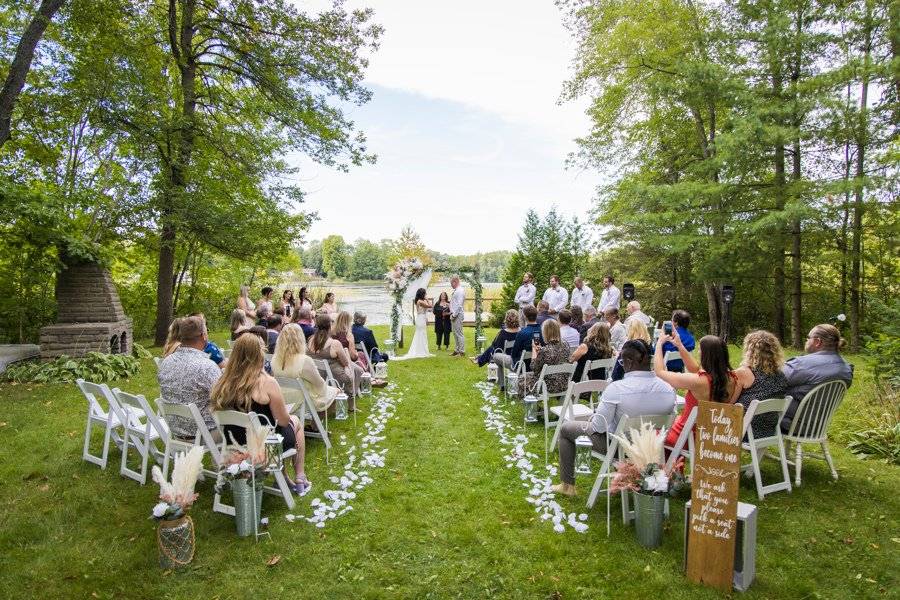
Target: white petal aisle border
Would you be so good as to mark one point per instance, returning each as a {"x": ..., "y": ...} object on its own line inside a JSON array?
[
  {"x": 496, "y": 419},
  {"x": 370, "y": 454}
]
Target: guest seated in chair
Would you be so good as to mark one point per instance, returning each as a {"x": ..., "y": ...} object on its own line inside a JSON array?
[
  {"x": 291, "y": 360},
  {"x": 245, "y": 387},
  {"x": 238, "y": 323},
  {"x": 761, "y": 377},
  {"x": 554, "y": 351},
  {"x": 507, "y": 334},
  {"x": 590, "y": 319},
  {"x": 567, "y": 333},
  {"x": 323, "y": 347},
  {"x": 543, "y": 312},
  {"x": 639, "y": 393},
  {"x": 273, "y": 328},
  {"x": 342, "y": 333},
  {"x": 303, "y": 318},
  {"x": 363, "y": 334},
  {"x": 211, "y": 349},
  {"x": 617, "y": 335},
  {"x": 822, "y": 362},
  {"x": 525, "y": 337},
  {"x": 596, "y": 346},
  {"x": 634, "y": 330}
]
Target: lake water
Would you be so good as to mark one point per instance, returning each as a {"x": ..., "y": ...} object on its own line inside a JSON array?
[{"x": 376, "y": 302}]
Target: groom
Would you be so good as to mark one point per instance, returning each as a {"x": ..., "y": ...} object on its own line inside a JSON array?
[{"x": 457, "y": 300}]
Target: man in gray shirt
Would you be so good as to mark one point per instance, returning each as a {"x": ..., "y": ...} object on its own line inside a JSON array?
[
  {"x": 821, "y": 363},
  {"x": 639, "y": 393}
]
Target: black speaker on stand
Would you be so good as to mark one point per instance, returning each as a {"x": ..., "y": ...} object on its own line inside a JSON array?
[{"x": 628, "y": 291}]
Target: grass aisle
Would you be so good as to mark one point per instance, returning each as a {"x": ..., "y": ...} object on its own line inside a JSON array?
[{"x": 444, "y": 518}]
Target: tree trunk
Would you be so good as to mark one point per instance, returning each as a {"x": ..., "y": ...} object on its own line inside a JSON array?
[
  {"x": 165, "y": 281},
  {"x": 778, "y": 239},
  {"x": 715, "y": 308},
  {"x": 797, "y": 336},
  {"x": 21, "y": 64}
]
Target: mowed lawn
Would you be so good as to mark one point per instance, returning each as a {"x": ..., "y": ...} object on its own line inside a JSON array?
[{"x": 444, "y": 518}]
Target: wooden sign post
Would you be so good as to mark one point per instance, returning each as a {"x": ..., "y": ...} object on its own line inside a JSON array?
[{"x": 714, "y": 494}]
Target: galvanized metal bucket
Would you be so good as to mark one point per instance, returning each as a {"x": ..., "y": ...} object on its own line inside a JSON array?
[
  {"x": 648, "y": 519},
  {"x": 244, "y": 515}
]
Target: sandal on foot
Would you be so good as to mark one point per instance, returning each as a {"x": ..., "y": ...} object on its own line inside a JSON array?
[{"x": 301, "y": 487}]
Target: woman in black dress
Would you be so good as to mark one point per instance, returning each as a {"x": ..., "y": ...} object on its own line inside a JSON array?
[
  {"x": 763, "y": 357},
  {"x": 442, "y": 321}
]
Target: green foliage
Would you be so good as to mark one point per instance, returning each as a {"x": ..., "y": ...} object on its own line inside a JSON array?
[
  {"x": 334, "y": 256},
  {"x": 884, "y": 344},
  {"x": 94, "y": 366},
  {"x": 408, "y": 246},
  {"x": 880, "y": 436},
  {"x": 368, "y": 261},
  {"x": 139, "y": 352}
]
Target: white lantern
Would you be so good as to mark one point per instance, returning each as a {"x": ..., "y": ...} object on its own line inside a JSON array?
[
  {"x": 365, "y": 384},
  {"x": 492, "y": 372},
  {"x": 340, "y": 407},
  {"x": 274, "y": 460},
  {"x": 479, "y": 344},
  {"x": 583, "y": 448},
  {"x": 531, "y": 407},
  {"x": 381, "y": 370},
  {"x": 512, "y": 383},
  {"x": 389, "y": 346}
]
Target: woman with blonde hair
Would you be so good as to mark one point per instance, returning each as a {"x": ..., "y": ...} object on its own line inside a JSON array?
[
  {"x": 342, "y": 333},
  {"x": 596, "y": 346},
  {"x": 553, "y": 352},
  {"x": 761, "y": 376},
  {"x": 635, "y": 329},
  {"x": 245, "y": 304},
  {"x": 172, "y": 338},
  {"x": 245, "y": 387},
  {"x": 238, "y": 323},
  {"x": 290, "y": 360}
]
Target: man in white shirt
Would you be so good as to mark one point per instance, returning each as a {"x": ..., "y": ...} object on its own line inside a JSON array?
[
  {"x": 556, "y": 296},
  {"x": 617, "y": 334},
  {"x": 525, "y": 296},
  {"x": 567, "y": 333},
  {"x": 582, "y": 295},
  {"x": 634, "y": 312},
  {"x": 610, "y": 296}
]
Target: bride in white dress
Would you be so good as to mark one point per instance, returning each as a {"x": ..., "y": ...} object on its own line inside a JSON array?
[{"x": 419, "y": 346}]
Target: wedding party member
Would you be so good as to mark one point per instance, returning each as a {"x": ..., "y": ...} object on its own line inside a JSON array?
[
  {"x": 442, "y": 325},
  {"x": 246, "y": 388},
  {"x": 582, "y": 295},
  {"x": 761, "y": 377},
  {"x": 328, "y": 306},
  {"x": 303, "y": 318},
  {"x": 634, "y": 313},
  {"x": 507, "y": 333},
  {"x": 187, "y": 376},
  {"x": 457, "y": 314},
  {"x": 568, "y": 333},
  {"x": 712, "y": 380},
  {"x": 265, "y": 303},
  {"x": 291, "y": 360},
  {"x": 525, "y": 296},
  {"x": 342, "y": 333},
  {"x": 543, "y": 312},
  {"x": 556, "y": 296},
  {"x": 590, "y": 319},
  {"x": 639, "y": 393},
  {"x": 245, "y": 304},
  {"x": 617, "y": 334},
  {"x": 634, "y": 330},
  {"x": 364, "y": 335},
  {"x": 554, "y": 351},
  {"x": 273, "y": 328},
  {"x": 596, "y": 346},
  {"x": 528, "y": 334},
  {"x": 610, "y": 297},
  {"x": 238, "y": 323},
  {"x": 303, "y": 300},
  {"x": 822, "y": 362},
  {"x": 287, "y": 304},
  {"x": 681, "y": 320},
  {"x": 322, "y": 347}
]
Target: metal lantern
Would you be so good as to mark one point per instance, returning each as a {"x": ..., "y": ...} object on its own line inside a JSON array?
[
  {"x": 492, "y": 372},
  {"x": 479, "y": 344},
  {"x": 274, "y": 460},
  {"x": 340, "y": 407},
  {"x": 365, "y": 384},
  {"x": 512, "y": 383},
  {"x": 389, "y": 346},
  {"x": 531, "y": 408},
  {"x": 381, "y": 370},
  {"x": 583, "y": 448}
]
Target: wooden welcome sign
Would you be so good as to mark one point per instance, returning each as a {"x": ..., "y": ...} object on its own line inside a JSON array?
[{"x": 714, "y": 494}]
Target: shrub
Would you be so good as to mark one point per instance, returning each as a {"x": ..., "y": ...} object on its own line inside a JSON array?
[
  {"x": 881, "y": 436},
  {"x": 95, "y": 366},
  {"x": 139, "y": 351}
]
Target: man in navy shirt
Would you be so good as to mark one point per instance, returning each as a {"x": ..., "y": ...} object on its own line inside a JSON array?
[
  {"x": 681, "y": 319},
  {"x": 363, "y": 334},
  {"x": 531, "y": 332}
]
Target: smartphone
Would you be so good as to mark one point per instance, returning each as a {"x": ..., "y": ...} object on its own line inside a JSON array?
[{"x": 667, "y": 327}]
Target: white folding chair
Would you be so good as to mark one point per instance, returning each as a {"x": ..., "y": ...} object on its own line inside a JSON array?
[
  {"x": 758, "y": 446},
  {"x": 540, "y": 388},
  {"x": 520, "y": 368},
  {"x": 245, "y": 420},
  {"x": 507, "y": 349},
  {"x": 361, "y": 347},
  {"x": 205, "y": 438},
  {"x": 174, "y": 445},
  {"x": 684, "y": 445},
  {"x": 571, "y": 409},
  {"x": 600, "y": 363},
  {"x": 306, "y": 408},
  {"x": 156, "y": 361},
  {"x": 811, "y": 421},
  {"x": 142, "y": 429},
  {"x": 108, "y": 418}
]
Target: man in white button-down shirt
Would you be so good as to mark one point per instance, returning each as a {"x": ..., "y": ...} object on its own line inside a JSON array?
[
  {"x": 556, "y": 296},
  {"x": 525, "y": 296},
  {"x": 582, "y": 295},
  {"x": 610, "y": 297}
]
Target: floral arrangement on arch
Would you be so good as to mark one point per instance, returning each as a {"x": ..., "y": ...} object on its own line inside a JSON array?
[
  {"x": 245, "y": 462},
  {"x": 397, "y": 280},
  {"x": 644, "y": 472},
  {"x": 178, "y": 495}
]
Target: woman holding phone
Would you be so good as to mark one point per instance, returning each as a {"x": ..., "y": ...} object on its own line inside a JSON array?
[
  {"x": 442, "y": 321},
  {"x": 681, "y": 319}
]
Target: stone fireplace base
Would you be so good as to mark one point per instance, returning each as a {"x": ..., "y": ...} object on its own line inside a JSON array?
[{"x": 77, "y": 339}]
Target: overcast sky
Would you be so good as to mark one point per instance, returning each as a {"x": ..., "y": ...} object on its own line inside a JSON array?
[{"x": 466, "y": 127}]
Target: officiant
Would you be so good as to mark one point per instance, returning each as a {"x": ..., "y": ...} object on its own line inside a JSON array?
[{"x": 442, "y": 325}]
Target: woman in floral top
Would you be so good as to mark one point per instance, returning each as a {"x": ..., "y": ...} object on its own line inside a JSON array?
[{"x": 553, "y": 352}]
